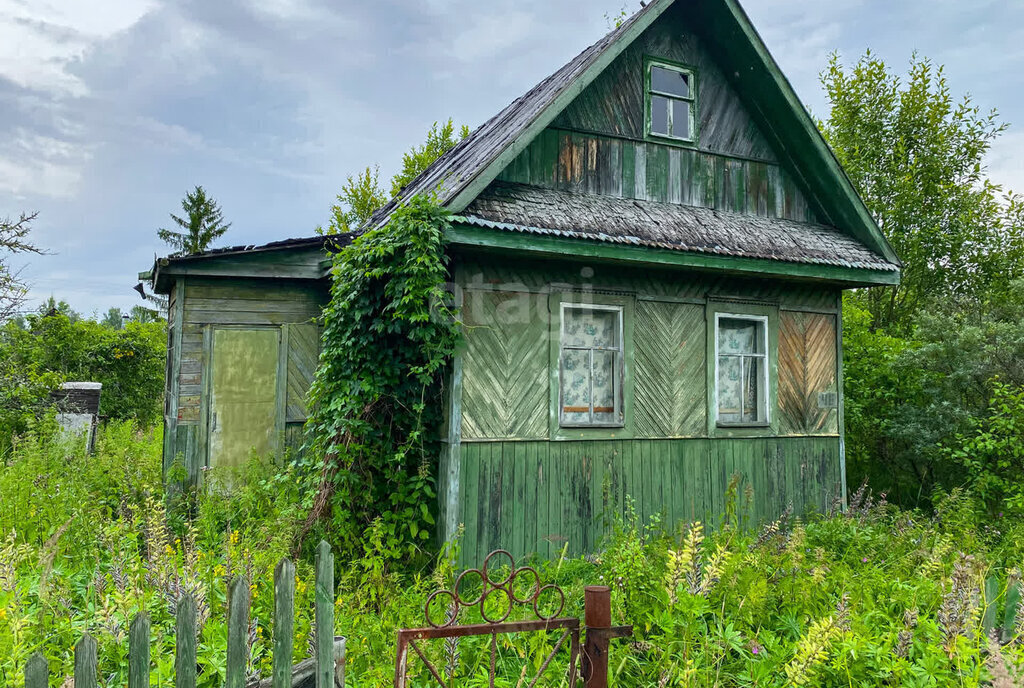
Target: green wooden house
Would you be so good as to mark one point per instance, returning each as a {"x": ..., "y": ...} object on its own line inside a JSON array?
[{"x": 649, "y": 247}]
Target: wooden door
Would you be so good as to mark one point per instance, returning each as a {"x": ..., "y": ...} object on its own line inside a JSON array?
[{"x": 243, "y": 395}]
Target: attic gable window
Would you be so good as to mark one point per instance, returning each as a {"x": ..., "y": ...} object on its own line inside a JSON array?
[{"x": 671, "y": 101}]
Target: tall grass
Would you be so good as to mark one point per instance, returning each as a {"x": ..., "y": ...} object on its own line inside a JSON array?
[{"x": 875, "y": 596}]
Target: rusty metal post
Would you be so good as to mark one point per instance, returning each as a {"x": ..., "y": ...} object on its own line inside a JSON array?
[{"x": 597, "y": 615}]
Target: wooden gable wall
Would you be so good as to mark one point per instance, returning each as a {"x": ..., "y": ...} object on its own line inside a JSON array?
[{"x": 597, "y": 144}]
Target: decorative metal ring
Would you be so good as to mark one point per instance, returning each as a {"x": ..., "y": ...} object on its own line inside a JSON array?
[
  {"x": 511, "y": 564},
  {"x": 561, "y": 604},
  {"x": 451, "y": 618},
  {"x": 534, "y": 589},
  {"x": 483, "y": 605},
  {"x": 458, "y": 593}
]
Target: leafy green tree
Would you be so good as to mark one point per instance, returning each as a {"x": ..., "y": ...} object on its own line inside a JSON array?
[
  {"x": 916, "y": 155},
  {"x": 362, "y": 195},
  {"x": 908, "y": 398},
  {"x": 201, "y": 225},
  {"x": 113, "y": 319}
]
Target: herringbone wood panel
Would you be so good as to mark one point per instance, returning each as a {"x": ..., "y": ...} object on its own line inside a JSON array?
[
  {"x": 669, "y": 350},
  {"x": 505, "y": 370},
  {"x": 807, "y": 366}
]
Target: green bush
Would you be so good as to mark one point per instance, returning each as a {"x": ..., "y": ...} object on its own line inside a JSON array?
[{"x": 45, "y": 350}]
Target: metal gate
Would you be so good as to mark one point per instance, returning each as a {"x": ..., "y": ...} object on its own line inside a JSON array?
[{"x": 514, "y": 591}]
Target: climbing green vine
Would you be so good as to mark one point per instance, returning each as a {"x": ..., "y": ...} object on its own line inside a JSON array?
[{"x": 389, "y": 333}]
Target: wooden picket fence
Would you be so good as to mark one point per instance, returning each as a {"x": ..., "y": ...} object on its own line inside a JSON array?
[{"x": 327, "y": 674}]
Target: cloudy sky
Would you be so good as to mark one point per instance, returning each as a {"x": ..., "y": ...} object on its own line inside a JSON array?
[{"x": 111, "y": 109}]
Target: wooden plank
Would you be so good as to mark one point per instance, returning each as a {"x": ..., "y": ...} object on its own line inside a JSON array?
[
  {"x": 531, "y": 514},
  {"x": 988, "y": 619},
  {"x": 324, "y": 616},
  {"x": 238, "y": 633},
  {"x": 85, "y": 662},
  {"x": 1014, "y": 595},
  {"x": 138, "y": 651},
  {"x": 675, "y": 184},
  {"x": 37, "y": 672},
  {"x": 544, "y": 159},
  {"x": 233, "y": 317},
  {"x": 657, "y": 173},
  {"x": 284, "y": 623},
  {"x": 640, "y": 170},
  {"x": 185, "y": 644},
  {"x": 507, "y": 514},
  {"x": 256, "y": 290},
  {"x": 470, "y": 503},
  {"x": 628, "y": 163}
]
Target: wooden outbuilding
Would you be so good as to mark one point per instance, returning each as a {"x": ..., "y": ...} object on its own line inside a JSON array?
[{"x": 649, "y": 248}]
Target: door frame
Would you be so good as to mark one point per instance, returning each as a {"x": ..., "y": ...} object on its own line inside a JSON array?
[{"x": 280, "y": 391}]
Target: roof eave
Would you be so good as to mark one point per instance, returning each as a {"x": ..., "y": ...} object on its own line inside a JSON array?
[
  {"x": 549, "y": 246},
  {"x": 812, "y": 151}
]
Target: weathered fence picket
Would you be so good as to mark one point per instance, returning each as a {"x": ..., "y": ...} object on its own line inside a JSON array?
[
  {"x": 324, "y": 613},
  {"x": 85, "y": 662},
  {"x": 988, "y": 618},
  {"x": 185, "y": 644},
  {"x": 284, "y": 623},
  {"x": 37, "y": 673},
  {"x": 138, "y": 652},
  {"x": 238, "y": 633},
  {"x": 1014, "y": 598}
]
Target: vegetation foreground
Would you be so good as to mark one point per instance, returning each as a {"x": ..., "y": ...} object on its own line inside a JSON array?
[{"x": 873, "y": 597}]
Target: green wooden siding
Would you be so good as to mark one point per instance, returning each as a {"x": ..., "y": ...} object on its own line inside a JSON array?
[
  {"x": 537, "y": 497},
  {"x": 600, "y": 164},
  {"x": 288, "y": 307},
  {"x": 507, "y": 388},
  {"x": 613, "y": 104},
  {"x": 482, "y": 271},
  {"x": 505, "y": 378},
  {"x": 669, "y": 346}
]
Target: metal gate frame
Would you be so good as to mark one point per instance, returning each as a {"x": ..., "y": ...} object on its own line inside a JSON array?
[{"x": 594, "y": 666}]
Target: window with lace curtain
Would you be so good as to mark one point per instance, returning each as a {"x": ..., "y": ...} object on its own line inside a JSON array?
[
  {"x": 590, "y": 366},
  {"x": 741, "y": 369}
]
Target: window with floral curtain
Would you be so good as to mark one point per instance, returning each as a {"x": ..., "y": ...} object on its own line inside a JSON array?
[
  {"x": 590, "y": 371},
  {"x": 742, "y": 379}
]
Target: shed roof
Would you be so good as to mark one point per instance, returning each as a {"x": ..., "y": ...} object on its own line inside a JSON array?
[{"x": 532, "y": 210}]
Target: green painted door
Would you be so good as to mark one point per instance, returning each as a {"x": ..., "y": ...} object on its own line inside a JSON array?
[{"x": 243, "y": 401}]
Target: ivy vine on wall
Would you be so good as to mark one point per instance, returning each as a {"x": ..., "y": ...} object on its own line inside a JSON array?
[{"x": 389, "y": 334}]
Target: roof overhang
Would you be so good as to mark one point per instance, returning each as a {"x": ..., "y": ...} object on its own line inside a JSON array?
[
  {"x": 299, "y": 259},
  {"x": 530, "y": 243}
]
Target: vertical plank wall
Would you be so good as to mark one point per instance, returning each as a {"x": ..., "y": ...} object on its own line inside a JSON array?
[{"x": 209, "y": 302}]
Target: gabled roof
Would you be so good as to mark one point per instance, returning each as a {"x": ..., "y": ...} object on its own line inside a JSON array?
[{"x": 462, "y": 173}]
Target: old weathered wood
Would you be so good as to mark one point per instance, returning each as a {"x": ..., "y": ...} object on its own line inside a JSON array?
[
  {"x": 185, "y": 644},
  {"x": 670, "y": 370},
  {"x": 303, "y": 674},
  {"x": 138, "y": 652},
  {"x": 37, "y": 672},
  {"x": 807, "y": 369},
  {"x": 505, "y": 366},
  {"x": 1014, "y": 598},
  {"x": 284, "y": 623},
  {"x": 238, "y": 633},
  {"x": 85, "y": 662},
  {"x": 991, "y": 602},
  {"x": 324, "y": 615}
]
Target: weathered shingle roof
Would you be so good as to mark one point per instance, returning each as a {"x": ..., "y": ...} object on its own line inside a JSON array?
[
  {"x": 450, "y": 173},
  {"x": 527, "y": 209}
]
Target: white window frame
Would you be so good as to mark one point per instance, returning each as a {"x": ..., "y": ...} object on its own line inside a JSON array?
[
  {"x": 762, "y": 395},
  {"x": 691, "y": 99},
  {"x": 617, "y": 367}
]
